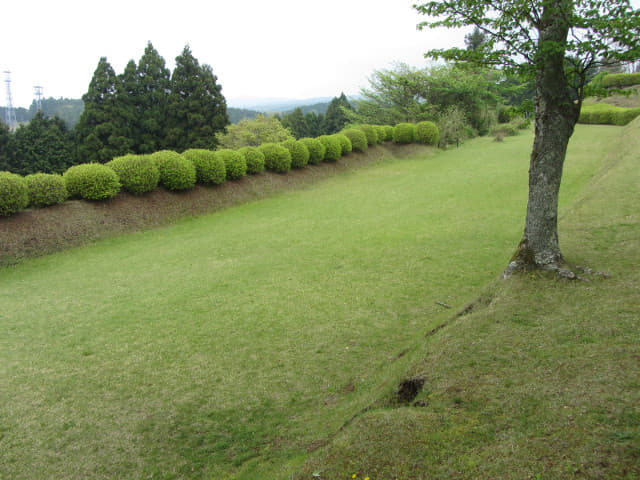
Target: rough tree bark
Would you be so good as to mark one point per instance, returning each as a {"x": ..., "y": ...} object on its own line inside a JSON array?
[{"x": 556, "y": 116}]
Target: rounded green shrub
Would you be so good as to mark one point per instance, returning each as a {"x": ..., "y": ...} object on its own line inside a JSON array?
[
  {"x": 358, "y": 139},
  {"x": 276, "y": 157},
  {"x": 404, "y": 133},
  {"x": 46, "y": 189},
  {"x": 254, "y": 159},
  {"x": 14, "y": 193},
  {"x": 620, "y": 80},
  {"x": 210, "y": 168},
  {"x": 370, "y": 132},
  {"x": 504, "y": 130},
  {"x": 138, "y": 174},
  {"x": 91, "y": 181},
  {"x": 345, "y": 143},
  {"x": 316, "y": 150},
  {"x": 234, "y": 163},
  {"x": 427, "y": 133},
  {"x": 606, "y": 114},
  {"x": 176, "y": 172},
  {"x": 299, "y": 153},
  {"x": 380, "y": 133},
  {"x": 506, "y": 114},
  {"x": 333, "y": 148},
  {"x": 626, "y": 116},
  {"x": 388, "y": 132}
]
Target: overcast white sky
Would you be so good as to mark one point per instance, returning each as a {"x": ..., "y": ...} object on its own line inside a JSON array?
[{"x": 257, "y": 48}]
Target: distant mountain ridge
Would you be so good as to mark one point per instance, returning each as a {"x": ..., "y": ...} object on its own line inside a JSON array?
[
  {"x": 237, "y": 108},
  {"x": 274, "y": 104}
]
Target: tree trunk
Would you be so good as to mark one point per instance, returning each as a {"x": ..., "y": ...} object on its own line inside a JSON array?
[{"x": 556, "y": 116}]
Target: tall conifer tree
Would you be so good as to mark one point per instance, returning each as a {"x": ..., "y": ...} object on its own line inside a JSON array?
[
  {"x": 154, "y": 86},
  {"x": 5, "y": 146},
  {"x": 99, "y": 132},
  {"x": 126, "y": 106},
  {"x": 335, "y": 118},
  {"x": 196, "y": 109},
  {"x": 296, "y": 122}
]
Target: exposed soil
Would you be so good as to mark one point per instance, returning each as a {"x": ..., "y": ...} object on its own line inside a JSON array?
[
  {"x": 409, "y": 389},
  {"x": 35, "y": 232}
]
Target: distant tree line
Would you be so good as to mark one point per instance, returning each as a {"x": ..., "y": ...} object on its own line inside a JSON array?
[
  {"x": 144, "y": 109},
  {"x": 313, "y": 124},
  {"x": 67, "y": 109},
  {"x": 237, "y": 114}
]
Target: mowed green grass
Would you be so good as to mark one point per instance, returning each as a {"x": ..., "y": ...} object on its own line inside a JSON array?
[
  {"x": 242, "y": 341},
  {"x": 541, "y": 380}
]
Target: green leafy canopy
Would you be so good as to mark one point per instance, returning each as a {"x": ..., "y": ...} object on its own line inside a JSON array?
[{"x": 599, "y": 31}]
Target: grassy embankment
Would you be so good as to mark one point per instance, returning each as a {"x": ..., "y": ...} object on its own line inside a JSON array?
[
  {"x": 241, "y": 344},
  {"x": 541, "y": 381}
]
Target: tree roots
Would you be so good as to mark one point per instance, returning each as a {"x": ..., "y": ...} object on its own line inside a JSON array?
[{"x": 562, "y": 269}]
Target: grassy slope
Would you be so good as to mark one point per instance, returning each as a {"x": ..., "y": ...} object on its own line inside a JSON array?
[
  {"x": 40, "y": 231},
  {"x": 631, "y": 101},
  {"x": 241, "y": 342},
  {"x": 542, "y": 380}
]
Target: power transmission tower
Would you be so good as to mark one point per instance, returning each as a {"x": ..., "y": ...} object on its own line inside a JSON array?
[
  {"x": 38, "y": 92},
  {"x": 10, "y": 113}
]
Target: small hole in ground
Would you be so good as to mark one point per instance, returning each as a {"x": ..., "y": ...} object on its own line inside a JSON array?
[{"x": 408, "y": 390}]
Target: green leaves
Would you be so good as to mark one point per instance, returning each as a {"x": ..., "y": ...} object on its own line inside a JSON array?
[
  {"x": 14, "y": 193},
  {"x": 91, "y": 181},
  {"x": 519, "y": 33},
  {"x": 252, "y": 133},
  {"x": 196, "y": 107},
  {"x": 42, "y": 145}
]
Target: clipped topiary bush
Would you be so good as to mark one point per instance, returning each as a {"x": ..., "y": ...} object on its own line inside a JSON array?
[
  {"x": 254, "y": 159},
  {"x": 620, "y": 80},
  {"x": 388, "y": 132},
  {"x": 46, "y": 189},
  {"x": 345, "y": 143},
  {"x": 210, "y": 168},
  {"x": 91, "y": 181},
  {"x": 234, "y": 163},
  {"x": 14, "y": 193},
  {"x": 358, "y": 139},
  {"x": 370, "y": 132},
  {"x": 276, "y": 157},
  {"x": 176, "y": 172},
  {"x": 138, "y": 174},
  {"x": 299, "y": 153},
  {"x": 381, "y": 133},
  {"x": 316, "y": 150},
  {"x": 504, "y": 130},
  {"x": 605, "y": 114},
  {"x": 404, "y": 133},
  {"x": 333, "y": 148},
  {"x": 427, "y": 133}
]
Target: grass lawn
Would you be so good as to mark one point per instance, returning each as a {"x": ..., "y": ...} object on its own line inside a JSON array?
[
  {"x": 541, "y": 381},
  {"x": 240, "y": 344}
]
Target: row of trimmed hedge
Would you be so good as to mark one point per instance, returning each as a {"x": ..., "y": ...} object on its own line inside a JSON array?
[
  {"x": 619, "y": 80},
  {"x": 605, "y": 114},
  {"x": 140, "y": 174}
]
